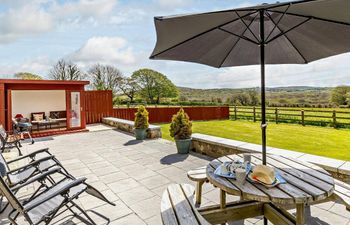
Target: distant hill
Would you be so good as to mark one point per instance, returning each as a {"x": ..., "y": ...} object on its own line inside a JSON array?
[{"x": 275, "y": 95}]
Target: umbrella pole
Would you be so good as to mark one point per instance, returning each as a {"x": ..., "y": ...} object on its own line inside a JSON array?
[{"x": 263, "y": 108}]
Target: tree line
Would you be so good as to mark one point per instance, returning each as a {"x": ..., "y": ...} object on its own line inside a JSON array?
[{"x": 145, "y": 84}]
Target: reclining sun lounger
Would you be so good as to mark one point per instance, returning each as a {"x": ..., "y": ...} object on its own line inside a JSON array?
[
  {"x": 44, "y": 206},
  {"x": 35, "y": 164}
]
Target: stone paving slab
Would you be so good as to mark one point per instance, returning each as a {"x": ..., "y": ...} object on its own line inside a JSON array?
[{"x": 134, "y": 174}]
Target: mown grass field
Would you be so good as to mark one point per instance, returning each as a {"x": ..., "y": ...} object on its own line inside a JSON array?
[{"x": 323, "y": 141}]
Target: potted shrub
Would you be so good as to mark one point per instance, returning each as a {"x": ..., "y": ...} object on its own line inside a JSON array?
[
  {"x": 181, "y": 131},
  {"x": 141, "y": 123}
]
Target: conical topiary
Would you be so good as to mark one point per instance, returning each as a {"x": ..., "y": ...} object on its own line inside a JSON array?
[
  {"x": 181, "y": 126},
  {"x": 141, "y": 118}
]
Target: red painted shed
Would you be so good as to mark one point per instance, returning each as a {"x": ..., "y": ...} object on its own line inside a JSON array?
[{"x": 51, "y": 97}]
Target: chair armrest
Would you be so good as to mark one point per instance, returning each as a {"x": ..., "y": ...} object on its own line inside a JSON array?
[
  {"x": 31, "y": 155},
  {"x": 37, "y": 178},
  {"x": 62, "y": 191},
  {"x": 32, "y": 164}
]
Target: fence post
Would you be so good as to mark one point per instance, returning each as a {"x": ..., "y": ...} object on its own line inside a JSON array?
[
  {"x": 302, "y": 117},
  {"x": 254, "y": 115},
  {"x": 235, "y": 109},
  {"x": 276, "y": 115},
  {"x": 334, "y": 119}
]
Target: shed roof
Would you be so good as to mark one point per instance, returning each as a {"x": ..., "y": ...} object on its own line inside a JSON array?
[{"x": 52, "y": 82}]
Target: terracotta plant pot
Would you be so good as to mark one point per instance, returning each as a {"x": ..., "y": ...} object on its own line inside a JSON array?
[{"x": 183, "y": 145}]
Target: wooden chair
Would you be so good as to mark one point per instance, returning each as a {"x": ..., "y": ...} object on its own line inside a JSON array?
[
  {"x": 177, "y": 207},
  {"x": 199, "y": 176}
]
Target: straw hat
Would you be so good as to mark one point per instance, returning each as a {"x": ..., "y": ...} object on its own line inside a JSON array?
[{"x": 264, "y": 174}]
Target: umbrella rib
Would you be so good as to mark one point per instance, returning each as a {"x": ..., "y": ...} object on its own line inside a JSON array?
[
  {"x": 248, "y": 26},
  {"x": 239, "y": 36},
  {"x": 234, "y": 45},
  {"x": 276, "y": 25},
  {"x": 313, "y": 17},
  {"x": 279, "y": 20},
  {"x": 207, "y": 31},
  {"x": 290, "y": 29}
]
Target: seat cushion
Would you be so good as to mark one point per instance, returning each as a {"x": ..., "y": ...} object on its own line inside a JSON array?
[{"x": 38, "y": 117}]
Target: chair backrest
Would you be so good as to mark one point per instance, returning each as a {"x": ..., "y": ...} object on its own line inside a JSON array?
[
  {"x": 58, "y": 114},
  {"x": 5, "y": 166},
  {"x": 3, "y": 137},
  {"x": 7, "y": 193},
  {"x": 2, "y": 132}
]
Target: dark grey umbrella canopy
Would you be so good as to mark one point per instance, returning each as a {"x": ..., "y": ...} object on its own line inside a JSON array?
[{"x": 295, "y": 33}]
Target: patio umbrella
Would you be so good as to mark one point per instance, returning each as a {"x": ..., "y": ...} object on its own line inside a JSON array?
[{"x": 295, "y": 32}]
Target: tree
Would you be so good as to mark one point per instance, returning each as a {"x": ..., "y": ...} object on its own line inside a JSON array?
[
  {"x": 129, "y": 87},
  {"x": 105, "y": 77},
  {"x": 254, "y": 97},
  {"x": 242, "y": 98},
  {"x": 339, "y": 95},
  {"x": 64, "y": 70},
  {"x": 154, "y": 85},
  {"x": 27, "y": 76},
  {"x": 348, "y": 98}
]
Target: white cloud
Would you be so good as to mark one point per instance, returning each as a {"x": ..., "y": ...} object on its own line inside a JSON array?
[
  {"x": 105, "y": 50},
  {"x": 39, "y": 65},
  {"x": 83, "y": 9},
  {"x": 27, "y": 19},
  {"x": 173, "y": 3},
  {"x": 24, "y": 18}
]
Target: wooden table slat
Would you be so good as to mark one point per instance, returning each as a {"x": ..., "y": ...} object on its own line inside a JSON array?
[
  {"x": 301, "y": 186},
  {"x": 275, "y": 194},
  {"x": 315, "y": 172},
  {"x": 316, "y": 193},
  {"x": 246, "y": 190},
  {"x": 297, "y": 194},
  {"x": 305, "y": 177}
]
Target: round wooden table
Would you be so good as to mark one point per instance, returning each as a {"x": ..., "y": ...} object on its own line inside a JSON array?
[{"x": 306, "y": 183}]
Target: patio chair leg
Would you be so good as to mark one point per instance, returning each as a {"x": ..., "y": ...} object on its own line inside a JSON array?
[
  {"x": 2, "y": 209},
  {"x": 19, "y": 150},
  {"x": 13, "y": 220},
  {"x": 83, "y": 212}
]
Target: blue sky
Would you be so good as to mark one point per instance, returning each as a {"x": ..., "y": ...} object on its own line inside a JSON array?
[{"x": 34, "y": 34}]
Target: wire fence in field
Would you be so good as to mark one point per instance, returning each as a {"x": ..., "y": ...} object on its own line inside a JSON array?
[{"x": 320, "y": 117}]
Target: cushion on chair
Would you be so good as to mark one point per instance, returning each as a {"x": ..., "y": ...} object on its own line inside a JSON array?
[{"x": 38, "y": 117}]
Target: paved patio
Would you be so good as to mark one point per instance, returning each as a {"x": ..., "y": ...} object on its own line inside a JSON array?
[{"x": 134, "y": 174}]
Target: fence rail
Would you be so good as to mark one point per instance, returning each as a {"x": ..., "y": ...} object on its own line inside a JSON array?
[{"x": 334, "y": 118}]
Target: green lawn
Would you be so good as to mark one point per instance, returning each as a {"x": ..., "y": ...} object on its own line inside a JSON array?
[{"x": 323, "y": 141}]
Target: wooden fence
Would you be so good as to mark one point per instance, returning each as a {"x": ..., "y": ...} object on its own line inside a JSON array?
[
  {"x": 164, "y": 114},
  {"x": 98, "y": 104},
  {"x": 334, "y": 118}
]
